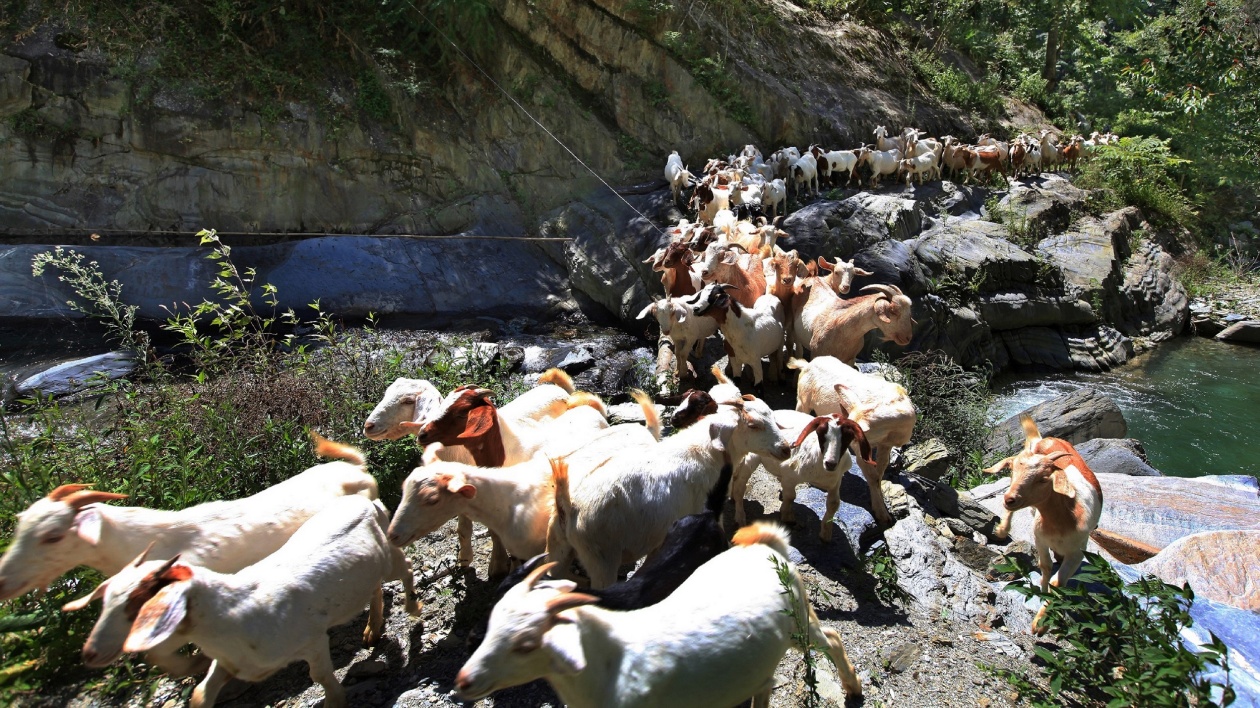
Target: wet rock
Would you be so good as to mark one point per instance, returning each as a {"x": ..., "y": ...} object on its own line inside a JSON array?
[
  {"x": 1153, "y": 300},
  {"x": 75, "y": 375},
  {"x": 892, "y": 262},
  {"x": 1245, "y": 332},
  {"x": 1075, "y": 417},
  {"x": 1219, "y": 565},
  {"x": 856, "y": 528},
  {"x": 1118, "y": 456}
]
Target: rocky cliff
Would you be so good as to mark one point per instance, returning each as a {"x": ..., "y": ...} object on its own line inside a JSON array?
[{"x": 82, "y": 148}]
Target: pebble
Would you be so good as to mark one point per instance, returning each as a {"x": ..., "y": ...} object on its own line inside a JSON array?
[{"x": 904, "y": 656}]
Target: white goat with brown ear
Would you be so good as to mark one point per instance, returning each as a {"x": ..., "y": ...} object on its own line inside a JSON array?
[{"x": 1050, "y": 476}]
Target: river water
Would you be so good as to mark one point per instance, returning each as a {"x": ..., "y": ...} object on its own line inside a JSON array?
[{"x": 1193, "y": 402}]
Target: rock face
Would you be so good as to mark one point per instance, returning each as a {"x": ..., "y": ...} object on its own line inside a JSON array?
[
  {"x": 1078, "y": 416},
  {"x": 1219, "y": 565}
]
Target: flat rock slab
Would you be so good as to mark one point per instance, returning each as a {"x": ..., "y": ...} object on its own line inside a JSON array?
[
  {"x": 1245, "y": 332},
  {"x": 1219, "y": 565},
  {"x": 76, "y": 374},
  {"x": 1117, "y": 456},
  {"x": 1155, "y": 510}
]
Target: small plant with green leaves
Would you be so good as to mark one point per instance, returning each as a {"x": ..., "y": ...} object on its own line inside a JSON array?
[
  {"x": 1121, "y": 642},
  {"x": 881, "y": 566},
  {"x": 800, "y": 637},
  {"x": 97, "y": 298}
]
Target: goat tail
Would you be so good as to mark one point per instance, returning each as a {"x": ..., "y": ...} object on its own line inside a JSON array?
[
  {"x": 794, "y": 363},
  {"x": 557, "y": 377},
  {"x": 650, "y": 416},
  {"x": 718, "y": 373},
  {"x": 564, "y": 505},
  {"x": 336, "y": 450},
  {"x": 1031, "y": 434},
  {"x": 765, "y": 534},
  {"x": 586, "y": 398}
]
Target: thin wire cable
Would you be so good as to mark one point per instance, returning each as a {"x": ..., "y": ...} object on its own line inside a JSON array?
[{"x": 537, "y": 122}]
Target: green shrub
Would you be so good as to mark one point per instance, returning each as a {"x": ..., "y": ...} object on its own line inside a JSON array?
[
  {"x": 1140, "y": 171},
  {"x": 1120, "y": 642},
  {"x": 953, "y": 85}
]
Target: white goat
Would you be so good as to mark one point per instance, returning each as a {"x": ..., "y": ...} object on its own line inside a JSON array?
[
  {"x": 624, "y": 512},
  {"x": 715, "y": 641},
  {"x": 266, "y": 616},
  {"x": 820, "y": 458},
  {"x": 677, "y": 175},
  {"x": 882, "y": 409},
  {"x": 805, "y": 171},
  {"x": 836, "y": 161},
  {"x": 881, "y": 162},
  {"x": 749, "y": 333},
  {"x": 686, "y": 330},
  {"x": 774, "y": 194}
]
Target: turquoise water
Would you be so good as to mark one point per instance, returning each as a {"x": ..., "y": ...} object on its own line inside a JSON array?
[{"x": 1194, "y": 403}]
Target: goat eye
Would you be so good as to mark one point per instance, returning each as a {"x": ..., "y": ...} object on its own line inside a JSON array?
[
  {"x": 407, "y": 400},
  {"x": 525, "y": 647},
  {"x": 56, "y": 538}
]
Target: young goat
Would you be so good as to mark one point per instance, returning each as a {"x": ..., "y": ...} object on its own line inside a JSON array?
[
  {"x": 514, "y": 502},
  {"x": 623, "y": 511},
  {"x": 266, "y": 616},
  {"x": 748, "y": 333},
  {"x": 684, "y": 327},
  {"x": 820, "y": 458},
  {"x": 883, "y": 410},
  {"x": 1050, "y": 476},
  {"x": 69, "y": 527},
  {"x": 716, "y": 640}
]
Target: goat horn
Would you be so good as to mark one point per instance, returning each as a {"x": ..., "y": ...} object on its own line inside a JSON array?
[
  {"x": 143, "y": 554},
  {"x": 536, "y": 574},
  {"x": 569, "y": 600},
  {"x": 889, "y": 291},
  {"x": 168, "y": 564},
  {"x": 1051, "y": 457},
  {"x": 736, "y": 245},
  {"x": 66, "y": 490},
  {"x": 81, "y": 499}
]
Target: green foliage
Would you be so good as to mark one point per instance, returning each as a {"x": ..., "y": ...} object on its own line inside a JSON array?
[
  {"x": 1122, "y": 642},
  {"x": 372, "y": 98},
  {"x": 275, "y": 51},
  {"x": 711, "y": 72},
  {"x": 952, "y": 85},
  {"x": 797, "y": 610},
  {"x": 225, "y": 418},
  {"x": 1139, "y": 171},
  {"x": 952, "y": 403},
  {"x": 100, "y": 299},
  {"x": 28, "y": 123},
  {"x": 879, "y": 564}
]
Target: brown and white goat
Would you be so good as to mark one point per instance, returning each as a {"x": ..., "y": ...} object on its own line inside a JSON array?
[
  {"x": 1051, "y": 477},
  {"x": 828, "y": 326}
]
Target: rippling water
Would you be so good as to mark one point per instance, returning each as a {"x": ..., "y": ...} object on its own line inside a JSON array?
[{"x": 1194, "y": 403}]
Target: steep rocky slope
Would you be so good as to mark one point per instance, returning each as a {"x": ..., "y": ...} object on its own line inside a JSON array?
[{"x": 81, "y": 147}]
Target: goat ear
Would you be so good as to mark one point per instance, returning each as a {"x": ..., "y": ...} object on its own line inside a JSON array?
[
  {"x": 824, "y": 265},
  {"x": 158, "y": 618},
  {"x": 458, "y": 484},
  {"x": 730, "y": 257},
  {"x": 819, "y": 423},
  {"x": 480, "y": 421},
  {"x": 82, "y": 602},
  {"x": 720, "y": 436},
  {"x": 861, "y": 271},
  {"x": 649, "y": 310},
  {"x": 882, "y": 307},
  {"x": 997, "y": 469},
  {"x": 1062, "y": 485},
  {"x": 87, "y": 525},
  {"x": 564, "y": 646},
  {"x": 408, "y": 426},
  {"x": 852, "y": 432}
]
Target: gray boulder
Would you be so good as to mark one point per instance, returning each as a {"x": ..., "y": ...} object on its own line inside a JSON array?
[
  {"x": 1153, "y": 300},
  {"x": 892, "y": 262},
  {"x": 977, "y": 250},
  {"x": 1078, "y": 416},
  {"x": 1245, "y": 332},
  {"x": 841, "y": 229},
  {"x": 1118, "y": 456},
  {"x": 75, "y": 375},
  {"x": 1088, "y": 347},
  {"x": 1044, "y": 204},
  {"x": 1219, "y": 565}
]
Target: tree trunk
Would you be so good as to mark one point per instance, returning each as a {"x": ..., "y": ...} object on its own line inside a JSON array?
[{"x": 1050, "y": 72}]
